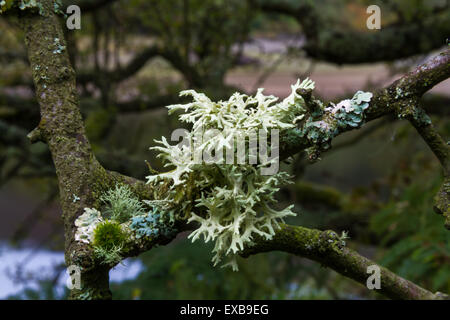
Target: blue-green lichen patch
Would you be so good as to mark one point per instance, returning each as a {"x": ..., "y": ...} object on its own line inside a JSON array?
[
  {"x": 347, "y": 114},
  {"x": 151, "y": 224},
  {"x": 350, "y": 112}
]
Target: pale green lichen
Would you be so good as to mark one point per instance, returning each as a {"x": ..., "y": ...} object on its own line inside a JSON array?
[
  {"x": 109, "y": 256},
  {"x": 121, "y": 204},
  {"x": 234, "y": 200}
]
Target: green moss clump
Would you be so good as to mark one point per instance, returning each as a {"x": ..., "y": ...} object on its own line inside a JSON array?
[{"x": 108, "y": 235}]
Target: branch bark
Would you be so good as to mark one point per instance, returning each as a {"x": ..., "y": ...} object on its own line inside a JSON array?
[
  {"x": 61, "y": 127},
  {"x": 328, "y": 43},
  {"x": 395, "y": 99},
  {"x": 326, "y": 248},
  {"x": 401, "y": 99}
]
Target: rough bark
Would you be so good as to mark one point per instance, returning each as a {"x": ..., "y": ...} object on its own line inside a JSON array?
[
  {"x": 61, "y": 127},
  {"x": 326, "y": 248},
  {"x": 402, "y": 99},
  {"x": 399, "y": 99}
]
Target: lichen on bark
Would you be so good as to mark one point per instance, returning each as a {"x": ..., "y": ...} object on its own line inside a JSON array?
[{"x": 80, "y": 174}]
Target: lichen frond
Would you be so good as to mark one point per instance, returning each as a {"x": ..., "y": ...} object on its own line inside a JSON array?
[
  {"x": 237, "y": 198},
  {"x": 121, "y": 204}
]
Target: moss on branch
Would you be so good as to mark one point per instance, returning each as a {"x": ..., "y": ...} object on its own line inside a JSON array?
[{"x": 327, "y": 248}]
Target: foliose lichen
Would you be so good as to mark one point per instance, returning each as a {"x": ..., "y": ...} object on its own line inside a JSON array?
[
  {"x": 347, "y": 114},
  {"x": 151, "y": 224},
  {"x": 235, "y": 200}
]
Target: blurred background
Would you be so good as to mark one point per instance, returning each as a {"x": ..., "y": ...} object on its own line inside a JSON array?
[{"x": 133, "y": 57}]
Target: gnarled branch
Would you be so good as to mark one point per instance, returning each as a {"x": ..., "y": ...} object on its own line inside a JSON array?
[{"x": 327, "y": 248}]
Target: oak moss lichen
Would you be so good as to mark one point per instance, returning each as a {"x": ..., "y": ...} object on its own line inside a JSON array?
[
  {"x": 235, "y": 200},
  {"x": 231, "y": 203}
]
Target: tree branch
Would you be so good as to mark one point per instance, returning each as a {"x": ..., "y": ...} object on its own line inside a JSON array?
[
  {"x": 397, "y": 41},
  {"x": 395, "y": 99},
  {"x": 61, "y": 126},
  {"x": 122, "y": 73},
  {"x": 401, "y": 98},
  {"x": 326, "y": 248}
]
